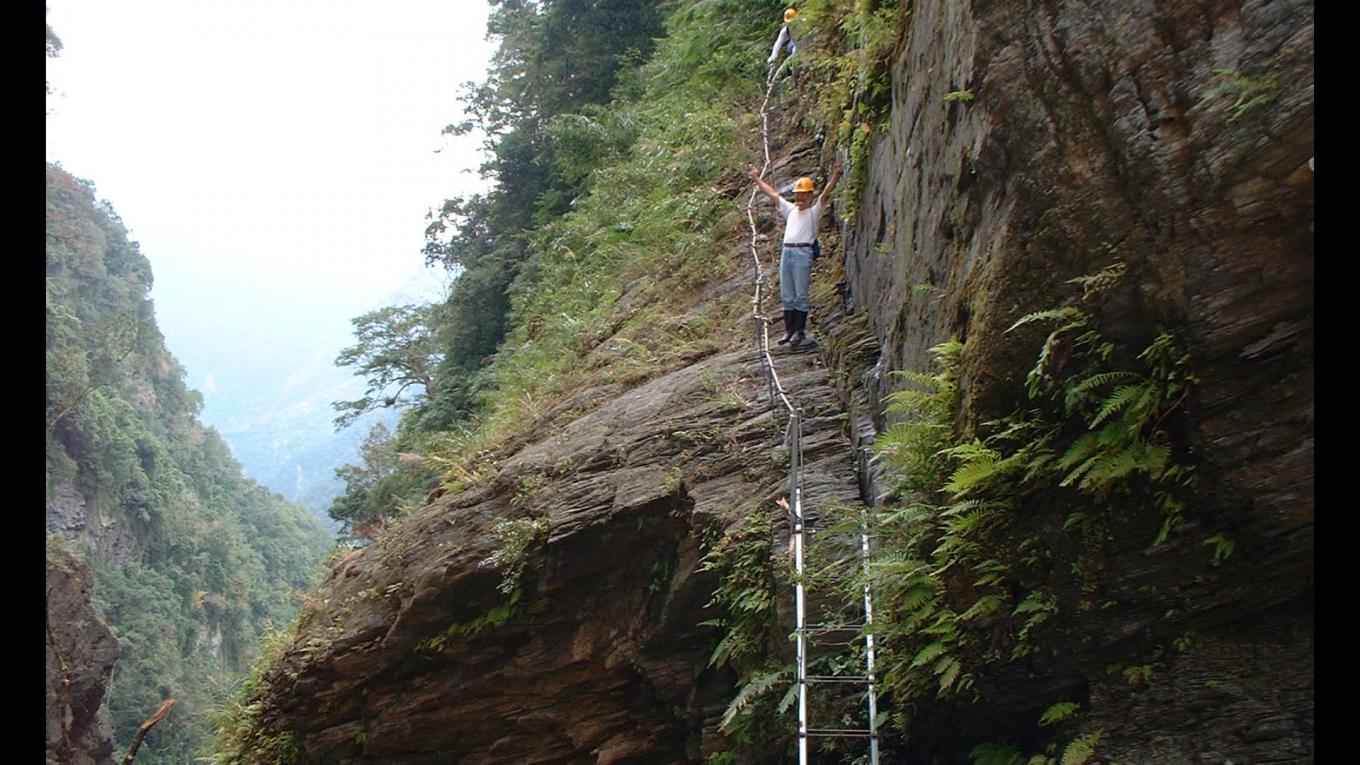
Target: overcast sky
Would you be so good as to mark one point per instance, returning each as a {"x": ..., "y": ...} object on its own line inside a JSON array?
[{"x": 274, "y": 158}]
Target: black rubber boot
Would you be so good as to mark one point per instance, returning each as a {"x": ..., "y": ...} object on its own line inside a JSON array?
[
  {"x": 789, "y": 329},
  {"x": 799, "y": 324}
]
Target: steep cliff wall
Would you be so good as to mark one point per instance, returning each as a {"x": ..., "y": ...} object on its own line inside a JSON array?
[
  {"x": 81, "y": 652},
  {"x": 1176, "y": 138}
]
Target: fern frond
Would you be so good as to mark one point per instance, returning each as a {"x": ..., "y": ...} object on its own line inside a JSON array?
[
  {"x": 1078, "y": 457},
  {"x": 930, "y": 382},
  {"x": 982, "y": 467},
  {"x": 948, "y": 353},
  {"x": 1099, "y": 380},
  {"x": 1033, "y": 602},
  {"x": 1076, "y": 518},
  {"x": 790, "y": 696},
  {"x": 1070, "y": 314},
  {"x": 1081, "y": 749},
  {"x": 1058, "y": 712},
  {"x": 1123, "y": 396},
  {"x": 947, "y": 670},
  {"x": 917, "y": 597},
  {"x": 963, "y": 506},
  {"x": 962, "y": 526},
  {"x": 1038, "y": 464},
  {"x": 1107, "y": 467},
  {"x": 931, "y": 651},
  {"x": 1102, "y": 280},
  {"x": 968, "y": 450},
  {"x": 758, "y": 685},
  {"x": 985, "y": 606},
  {"x": 992, "y": 570}
]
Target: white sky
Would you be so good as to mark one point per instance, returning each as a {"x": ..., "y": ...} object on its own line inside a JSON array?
[{"x": 274, "y": 158}]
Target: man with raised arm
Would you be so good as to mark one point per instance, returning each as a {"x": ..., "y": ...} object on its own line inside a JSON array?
[{"x": 795, "y": 258}]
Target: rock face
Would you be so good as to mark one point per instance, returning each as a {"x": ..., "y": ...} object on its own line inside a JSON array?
[
  {"x": 1176, "y": 137},
  {"x": 415, "y": 656},
  {"x": 70, "y": 515},
  {"x": 81, "y": 652}
]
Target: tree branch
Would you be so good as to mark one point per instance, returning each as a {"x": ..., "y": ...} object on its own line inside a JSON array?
[{"x": 146, "y": 726}]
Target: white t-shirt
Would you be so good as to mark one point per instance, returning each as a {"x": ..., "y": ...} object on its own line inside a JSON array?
[
  {"x": 785, "y": 36},
  {"x": 802, "y": 225}
]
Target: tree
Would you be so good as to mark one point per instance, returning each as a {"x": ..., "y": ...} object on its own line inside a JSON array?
[
  {"x": 378, "y": 485},
  {"x": 556, "y": 58},
  {"x": 395, "y": 349}
]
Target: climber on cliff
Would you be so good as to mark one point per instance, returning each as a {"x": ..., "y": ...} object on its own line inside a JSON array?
[
  {"x": 795, "y": 259},
  {"x": 784, "y": 40}
]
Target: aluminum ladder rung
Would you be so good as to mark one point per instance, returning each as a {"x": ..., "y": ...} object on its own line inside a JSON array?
[
  {"x": 846, "y": 732},
  {"x": 825, "y": 628},
  {"x": 838, "y": 679}
]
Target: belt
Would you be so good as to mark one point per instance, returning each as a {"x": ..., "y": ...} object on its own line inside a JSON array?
[{"x": 797, "y": 244}]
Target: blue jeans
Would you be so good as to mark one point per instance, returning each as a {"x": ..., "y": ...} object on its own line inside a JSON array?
[{"x": 795, "y": 277}]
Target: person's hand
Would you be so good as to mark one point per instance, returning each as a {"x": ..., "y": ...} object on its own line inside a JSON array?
[
  {"x": 755, "y": 172},
  {"x": 835, "y": 172}
]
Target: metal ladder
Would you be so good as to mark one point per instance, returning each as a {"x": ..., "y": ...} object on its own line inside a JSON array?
[{"x": 799, "y": 532}]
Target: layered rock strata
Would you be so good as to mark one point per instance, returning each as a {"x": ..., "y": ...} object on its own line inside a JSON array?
[{"x": 415, "y": 654}]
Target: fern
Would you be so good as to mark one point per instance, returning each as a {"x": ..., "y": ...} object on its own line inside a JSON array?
[
  {"x": 1058, "y": 712},
  {"x": 756, "y": 686},
  {"x": 1101, "y": 281},
  {"x": 947, "y": 670},
  {"x": 1134, "y": 397},
  {"x": 985, "y": 606},
  {"x": 1081, "y": 749},
  {"x": 992, "y": 571},
  {"x": 931, "y": 383},
  {"x": 1078, "y": 455},
  {"x": 1070, "y": 314},
  {"x": 1099, "y": 380},
  {"x": 1077, "y": 518},
  {"x": 1032, "y": 602},
  {"x": 977, "y": 470},
  {"x": 1223, "y": 548},
  {"x": 1038, "y": 375},
  {"x": 1075, "y": 396},
  {"x": 931, "y": 651}
]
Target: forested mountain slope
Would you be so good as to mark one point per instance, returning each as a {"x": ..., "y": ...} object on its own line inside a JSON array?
[{"x": 191, "y": 562}]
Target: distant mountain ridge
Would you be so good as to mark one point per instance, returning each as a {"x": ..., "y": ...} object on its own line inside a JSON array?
[{"x": 271, "y": 400}]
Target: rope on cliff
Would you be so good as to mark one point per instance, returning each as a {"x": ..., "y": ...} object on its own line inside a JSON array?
[{"x": 762, "y": 330}]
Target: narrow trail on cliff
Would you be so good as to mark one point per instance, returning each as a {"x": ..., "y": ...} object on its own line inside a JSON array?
[{"x": 829, "y": 630}]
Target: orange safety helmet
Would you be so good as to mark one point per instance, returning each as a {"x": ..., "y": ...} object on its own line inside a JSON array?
[
  {"x": 804, "y": 184},
  {"x": 790, "y": 15}
]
